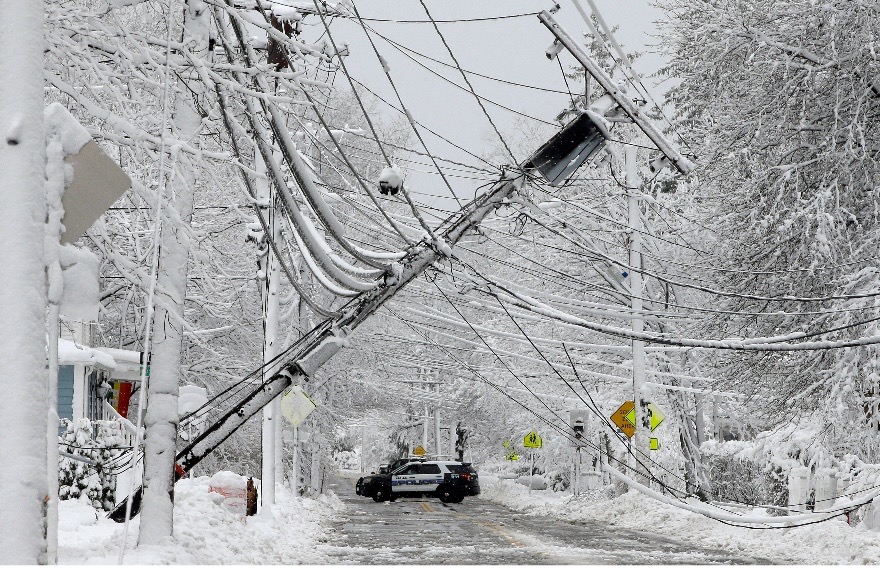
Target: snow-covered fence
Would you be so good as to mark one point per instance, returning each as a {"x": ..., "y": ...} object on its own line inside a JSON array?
[
  {"x": 825, "y": 489},
  {"x": 798, "y": 488}
]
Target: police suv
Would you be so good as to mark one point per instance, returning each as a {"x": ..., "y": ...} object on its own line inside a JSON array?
[{"x": 451, "y": 481}]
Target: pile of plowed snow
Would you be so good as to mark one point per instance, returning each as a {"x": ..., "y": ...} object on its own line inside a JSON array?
[{"x": 206, "y": 531}]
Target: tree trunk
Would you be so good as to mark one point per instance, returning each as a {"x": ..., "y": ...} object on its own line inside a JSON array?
[
  {"x": 23, "y": 408},
  {"x": 161, "y": 419}
]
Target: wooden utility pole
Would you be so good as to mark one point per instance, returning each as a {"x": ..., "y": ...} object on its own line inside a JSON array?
[
  {"x": 23, "y": 406},
  {"x": 681, "y": 163},
  {"x": 271, "y": 441},
  {"x": 325, "y": 340},
  {"x": 321, "y": 343},
  {"x": 437, "y": 450},
  {"x": 638, "y": 322}
]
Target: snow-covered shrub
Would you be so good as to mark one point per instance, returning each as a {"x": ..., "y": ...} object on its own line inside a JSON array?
[
  {"x": 346, "y": 459},
  {"x": 557, "y": 480},
  {"x": 98, "y": 441},
  {"x": 743, "y": 480}
]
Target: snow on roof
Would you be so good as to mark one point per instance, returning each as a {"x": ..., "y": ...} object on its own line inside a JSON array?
[
  {"x": 70, "y": 353},
  {"x": 122, "y": 355}
]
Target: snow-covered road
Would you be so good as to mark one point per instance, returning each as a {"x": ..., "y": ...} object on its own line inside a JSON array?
[{"x": 477, "y": 531}]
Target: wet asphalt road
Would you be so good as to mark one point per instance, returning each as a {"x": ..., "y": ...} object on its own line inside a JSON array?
[{"x": 426, "y": 531}]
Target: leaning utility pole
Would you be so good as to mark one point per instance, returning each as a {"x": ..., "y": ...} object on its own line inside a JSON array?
[
  {"x": 327, "y": 339},
  {"x": 321, "y": 343},
  {"x": 23, "y": 407}
]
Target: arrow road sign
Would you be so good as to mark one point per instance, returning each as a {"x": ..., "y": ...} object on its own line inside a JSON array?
[
  {"x": 655, "y": 416},
  {"x": 621, "y": 418}
]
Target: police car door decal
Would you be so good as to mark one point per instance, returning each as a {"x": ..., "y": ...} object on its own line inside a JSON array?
[
  {"x": 430, "y": 477},
  {"x": 406, "y": 480}
]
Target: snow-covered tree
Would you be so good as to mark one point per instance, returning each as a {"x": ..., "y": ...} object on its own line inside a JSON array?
[{"x": 780, "y": 100}]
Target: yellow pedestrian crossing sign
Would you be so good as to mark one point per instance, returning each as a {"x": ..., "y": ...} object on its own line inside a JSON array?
[{"x": 532, "y": 440}]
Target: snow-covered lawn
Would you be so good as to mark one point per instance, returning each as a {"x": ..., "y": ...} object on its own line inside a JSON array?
[
  {"x": 205, "y": 532},
  {"x": 832, "y": 542}
]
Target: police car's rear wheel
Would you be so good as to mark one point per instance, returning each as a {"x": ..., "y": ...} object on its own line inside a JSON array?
[{"x": 450, "y": 495}]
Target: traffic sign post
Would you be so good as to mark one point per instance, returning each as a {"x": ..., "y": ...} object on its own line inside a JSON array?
[
  {"x": 532, "y": 441},
  {"x": 655, "y": 419}
]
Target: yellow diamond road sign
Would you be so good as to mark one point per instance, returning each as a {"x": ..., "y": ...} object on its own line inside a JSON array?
[
  {"x": 655, "y": 417},
  {"x": 419, "y": 451},
  {"x": 296, "y": 406},
  {"x": 621, "y": 418},
  {"x": 532, "y": 440}
]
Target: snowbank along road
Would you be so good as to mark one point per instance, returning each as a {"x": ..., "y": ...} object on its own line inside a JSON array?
[{"x": 476, "y": 531}]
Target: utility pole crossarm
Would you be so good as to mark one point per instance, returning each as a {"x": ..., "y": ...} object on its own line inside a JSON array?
[{"x": 681, "y": 163}]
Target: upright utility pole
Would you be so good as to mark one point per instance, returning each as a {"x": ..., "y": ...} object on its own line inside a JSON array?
[
  {"x": 426, "y": 420},
  {"x": 638, "y": 322},
  {"x": 23, "y": 405},
  {"x": 272, "y": 412},
  {"x": 437, "y": 449}
]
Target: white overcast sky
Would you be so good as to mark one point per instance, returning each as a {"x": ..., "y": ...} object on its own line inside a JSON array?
[{"x": 511, "y": 49}]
